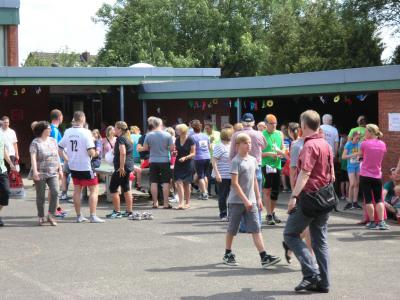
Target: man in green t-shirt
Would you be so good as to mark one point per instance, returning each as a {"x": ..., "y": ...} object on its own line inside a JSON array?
[
  {"x": 362, "y": 122},
  {"x": 4, "y": 183},
  {"x": 271, "y": 167}
]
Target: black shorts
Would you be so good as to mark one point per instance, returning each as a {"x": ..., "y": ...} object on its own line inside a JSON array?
[
  {"x": 201, "y": 167},
  {"x": 160, "y": 172},
  {"x": 272, "y": 181},
  {"x": 117, "y": 181},
  {"x": 83, "y": 174},
  {"x": 371, "y": 187},
  {"x": 344, "y": 176},
  {"x": 4, "y": 189}
]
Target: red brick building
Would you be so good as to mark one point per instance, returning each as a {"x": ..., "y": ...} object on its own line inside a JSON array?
[{"x": 346, "y": 94}]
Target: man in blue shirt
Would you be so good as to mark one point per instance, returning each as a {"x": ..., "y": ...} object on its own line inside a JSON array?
[{"x": 56, "y": 118}]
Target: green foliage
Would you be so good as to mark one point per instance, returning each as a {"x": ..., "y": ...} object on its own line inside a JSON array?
[
  {"x": 243, "y": 37},
  {"x": 396, "y": 56},
  {"x": 384, "y": 11},
  {"x": 62, "y": 58}
]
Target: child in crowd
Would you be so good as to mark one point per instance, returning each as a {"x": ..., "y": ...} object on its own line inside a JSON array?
[
  {"x": 351, "y": 152},
  {"x": 393, "y": 207},
  {"x": 344, "y": 177},
  {"x": 391, "y": 195},
  {"x": 244, "y": 200}
]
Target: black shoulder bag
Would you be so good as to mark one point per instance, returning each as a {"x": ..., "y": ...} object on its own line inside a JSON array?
[{"x": 323, "y": 201}]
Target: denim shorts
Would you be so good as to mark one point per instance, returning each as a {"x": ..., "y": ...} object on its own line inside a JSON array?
[{"x": 353, "y": 169}]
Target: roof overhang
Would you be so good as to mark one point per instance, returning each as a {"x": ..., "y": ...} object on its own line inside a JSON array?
[
  {"x": 324, "y": 82},
  {"x": 100, "y": 76},
  {"x": 9, "y": 12}
]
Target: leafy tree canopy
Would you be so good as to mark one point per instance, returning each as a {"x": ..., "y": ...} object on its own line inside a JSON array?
[{"x": 243, "y": 37}]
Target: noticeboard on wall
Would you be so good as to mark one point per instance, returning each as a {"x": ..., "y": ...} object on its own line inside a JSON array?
[{"x": 394, "y": 122}]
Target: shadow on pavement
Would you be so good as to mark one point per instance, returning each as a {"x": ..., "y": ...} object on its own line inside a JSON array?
[
  {"x": 221, "y": 270},
  {"x": 192, "y": 233},
  {"x": 376, "y": 235},
  {"x": 23, "y": 221},
  {"x": 245, "y": 293}
]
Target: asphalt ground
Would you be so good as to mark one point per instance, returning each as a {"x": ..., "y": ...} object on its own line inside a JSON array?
[{"x": 178, "y": 255}]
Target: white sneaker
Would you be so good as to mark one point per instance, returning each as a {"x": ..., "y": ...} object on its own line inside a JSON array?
[
  {"x": 135, "y": 216},
  {"x": 147, "y": 216},
  {"x": 173, "y": 199},
  {"x": 96, "y": 219},
  {"x": 81, "y": 219}
]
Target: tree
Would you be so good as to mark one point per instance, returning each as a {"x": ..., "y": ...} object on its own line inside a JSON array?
[
  {"x": 243, "y": 37},
  {"x": 387, "y": 12},
  {"x": 396, "y": 56}
]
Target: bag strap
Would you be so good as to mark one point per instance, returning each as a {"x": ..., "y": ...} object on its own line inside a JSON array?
[{"x": 109, "y": 143}]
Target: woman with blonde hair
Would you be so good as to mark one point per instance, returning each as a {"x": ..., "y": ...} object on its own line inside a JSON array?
[
  {"x": 123, "y": 166},
  {"x": 185, "y": 149},
  {"x": 372, "y": 151},
  {"x": 238, "y": 127},
  {"x": 109, "y": 140}
]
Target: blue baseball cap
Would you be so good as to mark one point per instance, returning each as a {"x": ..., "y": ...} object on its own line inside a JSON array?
[{"x": 248, "y": 117}]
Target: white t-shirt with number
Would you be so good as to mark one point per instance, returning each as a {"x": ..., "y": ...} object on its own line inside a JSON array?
[{"x": 76, "y": 142}]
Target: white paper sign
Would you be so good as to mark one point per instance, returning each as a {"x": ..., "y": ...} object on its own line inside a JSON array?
[
  {"x": 394, "y": 121},
  {"x": 214, "y": 119},
  {"x": 224, "y": 120}
]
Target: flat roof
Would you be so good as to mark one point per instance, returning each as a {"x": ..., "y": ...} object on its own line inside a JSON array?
[
  {"x": 10, "y": 3},
  {"x": 9, "y": 12},
  {"x": 100, "y": 75},
  {"x": 335, "y": 81}
]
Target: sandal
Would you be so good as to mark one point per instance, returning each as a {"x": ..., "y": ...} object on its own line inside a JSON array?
[
  {"x": 154, "y": 206},
  {"x": 180, "y": 208},
  {"x": 187, "y": 206},
  {"x": 168, "y": 207},
  {"x": 51, "y": 221}
]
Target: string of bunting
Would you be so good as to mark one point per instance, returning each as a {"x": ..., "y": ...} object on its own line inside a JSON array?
[
  {"x": 252, "y": 105},
  {"x": 255, "y": 105},
  {"x": 347, "y": 100},
  {"x": 8, "y": 91}
]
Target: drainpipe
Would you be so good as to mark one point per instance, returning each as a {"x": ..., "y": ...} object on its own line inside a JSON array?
[
  {"x": 144, "y": 115},
  {"x": 238, "y": 110},
  {"x": 121, "y": 103}
]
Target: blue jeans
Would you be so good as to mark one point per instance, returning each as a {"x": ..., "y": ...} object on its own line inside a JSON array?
[
  {"x": 295, "y": 225},
  {"x": 242, "y": 227}
]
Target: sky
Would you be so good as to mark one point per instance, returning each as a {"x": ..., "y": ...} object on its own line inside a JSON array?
[{"x": 52, "y": 25}]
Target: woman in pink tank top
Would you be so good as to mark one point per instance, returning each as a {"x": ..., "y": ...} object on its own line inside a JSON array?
[{"x": 372, "y": 151}]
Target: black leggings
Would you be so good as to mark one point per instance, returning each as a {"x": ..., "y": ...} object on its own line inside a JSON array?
[{"x": 371, "y": 186}]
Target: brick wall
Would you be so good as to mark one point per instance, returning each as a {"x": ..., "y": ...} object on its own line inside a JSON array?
[
  {"x": 23, "y": 108},
  {"x": 389, "y": 102},
  {"x": 12, "y": 45}
]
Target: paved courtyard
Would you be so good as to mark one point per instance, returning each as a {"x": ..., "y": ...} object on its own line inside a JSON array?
[{"x": 178, "y": 256}]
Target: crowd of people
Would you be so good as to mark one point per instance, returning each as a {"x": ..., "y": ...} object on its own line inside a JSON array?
[{"x": 249, "y": 164}]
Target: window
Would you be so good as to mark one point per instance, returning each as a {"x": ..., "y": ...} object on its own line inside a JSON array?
[{"x": 3, "y": 52}]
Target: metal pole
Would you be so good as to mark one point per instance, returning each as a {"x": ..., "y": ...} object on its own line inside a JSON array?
[
  {"x": 144, "y": 115},
  {"x": 121, "y": 103},
  {"x": 238, "y": 110}
]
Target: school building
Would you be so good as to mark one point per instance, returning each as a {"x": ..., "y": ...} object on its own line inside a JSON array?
[{"x": 134, "y": 93}]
